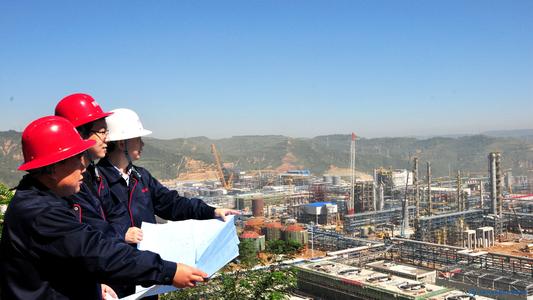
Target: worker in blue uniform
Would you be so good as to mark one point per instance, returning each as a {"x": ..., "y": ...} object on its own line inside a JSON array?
[
  {"x": 46, "y": 252},
  {"x": 143, "y": 195},
  {"x": 96, "y": 206}
]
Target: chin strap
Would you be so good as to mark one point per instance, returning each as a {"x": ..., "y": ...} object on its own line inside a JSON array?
[{"x": 130, "y": 163}]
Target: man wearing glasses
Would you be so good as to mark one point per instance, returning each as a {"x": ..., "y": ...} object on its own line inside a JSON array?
[{"x": 96, "y": 206}]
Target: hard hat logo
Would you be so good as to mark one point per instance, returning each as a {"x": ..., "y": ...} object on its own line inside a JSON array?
[{"x": 125, "y": 124}]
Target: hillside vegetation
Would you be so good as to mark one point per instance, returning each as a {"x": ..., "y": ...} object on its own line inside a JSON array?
[{"x": 318, "y": 154}]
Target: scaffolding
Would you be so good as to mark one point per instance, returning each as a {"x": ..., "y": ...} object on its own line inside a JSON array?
[
  {"x": 449, "y": 227},
  {"x": 444, "y": 257},
  {"x": 364, "y": 196},
  {"x": 511, "y": 221},
  {"x": 317, "y": 191},
  {"x": 354, "y": 222},
  {"x": 328, "y": 240}
]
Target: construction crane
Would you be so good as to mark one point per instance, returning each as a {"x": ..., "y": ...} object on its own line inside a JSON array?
[{"x": 227, "y": 184}]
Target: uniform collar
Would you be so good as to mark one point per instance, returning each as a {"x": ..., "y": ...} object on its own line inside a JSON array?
[
  {"x": 28, "y": 182},
  {"x": 108, "y": 170}
]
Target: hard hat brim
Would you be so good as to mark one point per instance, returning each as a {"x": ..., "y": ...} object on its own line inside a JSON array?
[
  {"x": 57, "y": 157},
  {"x": 91, "y": 118},
  {"x": 111, "y": 138}
]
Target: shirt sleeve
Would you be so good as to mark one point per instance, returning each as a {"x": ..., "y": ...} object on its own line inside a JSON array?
[
  {"x": 116, "y": 213},
  {"x": 170, "y": 205},
  {"x": 58, "y": 237}
]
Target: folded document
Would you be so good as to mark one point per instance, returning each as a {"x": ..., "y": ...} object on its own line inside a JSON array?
[{"x": 206, "y": 244}]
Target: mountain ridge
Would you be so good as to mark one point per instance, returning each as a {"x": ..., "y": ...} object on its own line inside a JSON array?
[{"x": 164, "y": 158}]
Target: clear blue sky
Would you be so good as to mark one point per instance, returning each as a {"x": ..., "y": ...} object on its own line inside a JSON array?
[{"x": 296, "y": 68}]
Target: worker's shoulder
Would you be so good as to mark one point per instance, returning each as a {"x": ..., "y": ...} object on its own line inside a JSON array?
[
  {"x": 144, "y": 172},
  {"x": 28, "y": 204},
  {"x": 35, "y": 198}
]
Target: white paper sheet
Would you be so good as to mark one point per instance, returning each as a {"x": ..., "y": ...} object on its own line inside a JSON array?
[{"x": 206, "y": 244}]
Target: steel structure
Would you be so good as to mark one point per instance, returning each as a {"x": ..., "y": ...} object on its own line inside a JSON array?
[
  {"x": 332, "y": 241},
  {"x": 448, "y": 227},
  {"x": 375, "y": 218}
]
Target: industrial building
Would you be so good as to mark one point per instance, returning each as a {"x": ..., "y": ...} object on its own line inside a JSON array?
[
  {"x": 332, "y": 280},
  {"x": 401, "y": 233}
]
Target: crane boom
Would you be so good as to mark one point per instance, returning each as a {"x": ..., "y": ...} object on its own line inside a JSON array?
[{"x": 226, "y": 184}]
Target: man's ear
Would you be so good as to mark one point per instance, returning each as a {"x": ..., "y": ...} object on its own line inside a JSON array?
[
  {"x": 51, "y": 171},
  {"x": 121, "y": 145}
]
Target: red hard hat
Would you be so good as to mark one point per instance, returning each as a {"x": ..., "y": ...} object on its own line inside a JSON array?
[
  {"x": 80, "y": 109},
  {"x": 49, "y": 140}
]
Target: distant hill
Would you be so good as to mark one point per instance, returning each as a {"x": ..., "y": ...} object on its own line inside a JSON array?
[
  {"x": 510, "y": 133},
  {"x": 318, "y": 154}
]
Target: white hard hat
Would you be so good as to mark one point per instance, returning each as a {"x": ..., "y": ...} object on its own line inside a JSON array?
[{"x": 124, "y": 124}]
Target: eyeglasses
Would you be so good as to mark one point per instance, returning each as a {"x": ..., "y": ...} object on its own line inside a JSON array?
[{"x": 101, "y": 133}]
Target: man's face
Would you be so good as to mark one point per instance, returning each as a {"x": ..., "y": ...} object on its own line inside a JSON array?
[
  {"x": 135, "y": 147},
  {"x": 67, "y": 175},
  {"x": 99, "y": 134}
]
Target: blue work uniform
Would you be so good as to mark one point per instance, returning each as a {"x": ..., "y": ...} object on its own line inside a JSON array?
[
  {"x": 145, "y": 197},
  {"x": 47, "y": 253},
  {"x": 97, "y": 208}
]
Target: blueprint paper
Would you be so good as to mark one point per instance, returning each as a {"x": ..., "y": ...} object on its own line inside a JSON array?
[{"x": 206, "y": 244}]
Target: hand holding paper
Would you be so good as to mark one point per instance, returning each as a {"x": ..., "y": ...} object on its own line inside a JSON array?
[
  {"x": 187, "y": 276},
  {"x": 204, "y": 244},
  {"x": 223, "y": 212}
]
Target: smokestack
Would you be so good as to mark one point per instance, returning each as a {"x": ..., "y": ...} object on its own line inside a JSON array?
[
  {"x": 460, "y": 203},
  {"x": 374, "y": 193},
  {"x": 430, "y": 204},
  {"x": 381, "y": 192},
  {"x": 492, "y": 178},
  {"x": 417, "y": 193},
  {"x": 481, "y": 194},
  {"x": 351, "y": 203},
  {"x": 499, "y": 187}
]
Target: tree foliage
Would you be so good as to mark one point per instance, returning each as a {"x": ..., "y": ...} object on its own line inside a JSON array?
[
  {"x": 273, "y": 283},
  {"x": 283, "y": 247},
  {"x": 5, "y": 196},
  {"x": 247, "y": 253}
]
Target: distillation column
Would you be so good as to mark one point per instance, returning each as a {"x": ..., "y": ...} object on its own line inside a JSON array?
[{"x": 430, "y": 204}]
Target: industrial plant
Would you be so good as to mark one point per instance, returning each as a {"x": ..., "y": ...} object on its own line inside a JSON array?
[{"x": 393, "y": 234}]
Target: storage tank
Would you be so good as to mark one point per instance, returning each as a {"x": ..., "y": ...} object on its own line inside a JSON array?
[
  {"x": 336, "y": 180},
  {"x": 273, "y": 231},
  {"x": 258, "y": 207},
  {"x": 256, "y": 238},
  {"x": 296, "y": 233},
  {"x": 254, "y": 224},
  {"x": 327, "y": 179}
]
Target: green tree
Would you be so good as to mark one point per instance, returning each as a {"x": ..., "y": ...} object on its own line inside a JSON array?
[
  {"x": 283, "y": 247},
  {"x": 247, "y": 253},
  {"x": 273, "y": 283},
  {"x": 5, "y": 196}
]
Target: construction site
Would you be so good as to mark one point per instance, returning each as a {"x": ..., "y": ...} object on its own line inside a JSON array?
[{"x": 395, "y": 234}]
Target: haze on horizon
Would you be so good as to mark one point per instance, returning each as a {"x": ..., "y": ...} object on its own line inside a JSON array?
[{"x": 293, "y": 68}]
